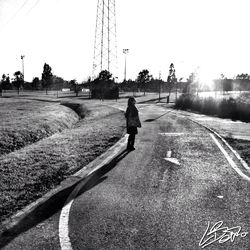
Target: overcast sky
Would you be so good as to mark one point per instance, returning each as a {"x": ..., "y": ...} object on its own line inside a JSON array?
[{"x": 209, "y": 36}]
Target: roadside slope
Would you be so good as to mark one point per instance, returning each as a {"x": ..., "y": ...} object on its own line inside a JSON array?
[
  {"x": 30, "y": 172},
  {"x": 24, "y": 122}
]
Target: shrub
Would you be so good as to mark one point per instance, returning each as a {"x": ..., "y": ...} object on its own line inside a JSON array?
[
  {"x": 184, "y": 102},
  {"x": 228, "y": 109},
  {"x": 210, "y": 106},
  {"x": 197, "y": 104},
  {"x": 243, "y": 111},
  {"x": 236, "y": 109},
  {"x": 105, "y": 90}
]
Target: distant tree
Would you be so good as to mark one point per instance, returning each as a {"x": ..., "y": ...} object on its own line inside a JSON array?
[
  {"x": 46, "y": 77},
  {"x": 6, "y": 84},
  {"x": 18, "y": 80},
  {"x": 105, "y": 76},
  {"x": 227, "y": 85},
  {"x": 104, "y": 86},
  {"x": 221, "y": 82},
  {"x": 172, "y": 80},
  {"x": 243, "y": 82},
  {"x": 143, "y": 79},
  {"x": 243, "y": 76},
  {"x": 88, "y": 85},
  {"x": 58, "y": 83},
  {"x": 35, "y": 83},
  {"x": 1, "y": 84},
  {"x": 190, "y": 80},
  {"x": 75, "y": 86}
]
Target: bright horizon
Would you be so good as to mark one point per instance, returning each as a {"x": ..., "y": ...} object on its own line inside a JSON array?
[{"x": 208, "y": 36}]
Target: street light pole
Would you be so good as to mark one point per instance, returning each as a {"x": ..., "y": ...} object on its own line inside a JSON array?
[
  {"x": 125, "y": 51},
  {"x": 159, "y": 86},
  {"x": 22, "y": 57}
]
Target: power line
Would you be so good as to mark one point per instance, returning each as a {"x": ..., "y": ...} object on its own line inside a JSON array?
[
  {"x": 15, "y": 14},
  {"x": 36, "y": 3}
]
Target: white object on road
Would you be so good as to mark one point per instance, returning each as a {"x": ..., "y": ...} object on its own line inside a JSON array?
[
  {"x": 171, "y": 159},
  {"x": 169, "y": 153}
]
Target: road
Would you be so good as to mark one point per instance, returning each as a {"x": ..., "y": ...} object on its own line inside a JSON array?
[{"x": 163, "y": 195}]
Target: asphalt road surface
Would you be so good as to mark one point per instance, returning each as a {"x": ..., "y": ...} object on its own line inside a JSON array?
[{"x": 175, "y": 191}]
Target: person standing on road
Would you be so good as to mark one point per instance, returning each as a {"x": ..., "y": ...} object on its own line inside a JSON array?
[{"x": 133, "y": 122}]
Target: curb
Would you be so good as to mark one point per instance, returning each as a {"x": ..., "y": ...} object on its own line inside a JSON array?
[
  {"x": 58, "y": 194},
  {"x": 233, "y": 151},
  {"x": 244, "y": 164}
]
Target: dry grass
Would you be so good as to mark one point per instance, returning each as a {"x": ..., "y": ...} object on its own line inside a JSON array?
[
  {"x": 30, "y": 172},
  {"x": 242, "y": 146},
  {"x": 24, "y": 122}
]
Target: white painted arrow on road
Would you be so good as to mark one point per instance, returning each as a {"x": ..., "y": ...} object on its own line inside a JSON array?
[{"x": 171, "y": 159}]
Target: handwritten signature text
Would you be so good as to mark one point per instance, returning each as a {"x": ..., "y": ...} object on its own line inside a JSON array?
[{"x": 219, "y": 233}]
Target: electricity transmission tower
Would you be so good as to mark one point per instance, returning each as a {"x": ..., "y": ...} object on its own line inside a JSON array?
[{"x": 105, "y": 47}]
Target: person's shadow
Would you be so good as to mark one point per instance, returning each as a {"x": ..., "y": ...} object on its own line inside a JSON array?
[
  {"x": 156, "y": 118},
  {"x": 55, "y": 203}
]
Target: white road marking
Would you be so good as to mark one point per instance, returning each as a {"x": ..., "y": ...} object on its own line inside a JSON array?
[
  {"x": 230, "y": 161},
  {"x": 220, "y": 196},
  {"x": 63, "y": 227},
  {"x": 245, "y": 165},
  {"x": 171, "y": 134},
  {"x": 64, "y": 216},
  {"x": 169, "y": 153},
  {"x": 173, "y": 160}
]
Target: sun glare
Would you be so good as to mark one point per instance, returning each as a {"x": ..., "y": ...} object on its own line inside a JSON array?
[{"x": 205, "y": 78}]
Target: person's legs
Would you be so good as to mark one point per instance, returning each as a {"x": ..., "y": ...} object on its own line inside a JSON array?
[{"x": 131, "y": 141}]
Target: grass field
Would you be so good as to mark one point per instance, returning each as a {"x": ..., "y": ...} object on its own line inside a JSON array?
[
  {"x": 24, "y": 122},
  {"x": 50, "y": 94},
  {"x": 28, "y": 173}
]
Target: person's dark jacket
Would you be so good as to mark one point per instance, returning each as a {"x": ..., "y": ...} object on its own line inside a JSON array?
[{"x": 132, "y": 117}]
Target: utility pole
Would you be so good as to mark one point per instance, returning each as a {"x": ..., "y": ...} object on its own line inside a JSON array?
[
  {"x": 22, "y": 58},
  {"x": 125, "y": 51},
  {"x": 159, "y": 86}
]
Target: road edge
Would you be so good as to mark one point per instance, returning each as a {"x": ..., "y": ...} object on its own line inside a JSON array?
[{"x": 65, "y": 188}]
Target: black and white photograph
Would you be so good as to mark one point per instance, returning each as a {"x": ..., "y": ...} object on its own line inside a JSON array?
[{"x": 124, "y": 124}]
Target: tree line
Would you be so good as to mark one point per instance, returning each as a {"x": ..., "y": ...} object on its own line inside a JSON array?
[
  {"x": 48, "y": 81},
  {"x": 144, "y": 82}
]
